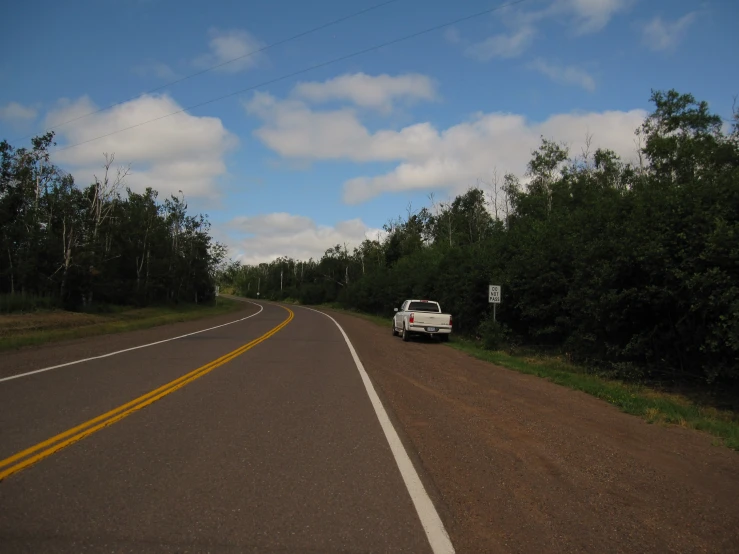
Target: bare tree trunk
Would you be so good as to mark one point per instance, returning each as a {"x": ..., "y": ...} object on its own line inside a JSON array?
[
  {"x": 140, "y": 266},
  {"x": 67, "y": 251},
  {"x": 470, "y": 225},
  {"x": 494, "y": 190},
  {"x": 101, "y": 206},
  {"x": 146, "y": 282},
  {"x": 12, "y": 271}
]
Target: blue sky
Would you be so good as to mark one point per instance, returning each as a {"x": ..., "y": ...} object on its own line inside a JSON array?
[{"x": 328, "y": 156}]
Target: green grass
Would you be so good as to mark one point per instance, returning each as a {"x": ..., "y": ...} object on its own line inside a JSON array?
[
  {"x": 67, "y": 325},
  {"x": 652, "y": 405}
]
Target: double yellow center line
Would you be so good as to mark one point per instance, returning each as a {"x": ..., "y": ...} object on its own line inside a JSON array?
[{"x": 29, "y": 456}]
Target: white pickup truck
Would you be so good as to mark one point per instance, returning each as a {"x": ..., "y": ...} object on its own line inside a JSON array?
[{"x": 421, "y": 317}]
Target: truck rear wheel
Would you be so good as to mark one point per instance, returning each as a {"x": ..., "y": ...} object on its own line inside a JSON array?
[{"x": 405, "y": 335}]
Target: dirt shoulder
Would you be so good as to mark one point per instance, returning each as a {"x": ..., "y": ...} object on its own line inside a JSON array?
[
  {"x": 519, "y": 464},
  {"x": 38, "y": 356}
]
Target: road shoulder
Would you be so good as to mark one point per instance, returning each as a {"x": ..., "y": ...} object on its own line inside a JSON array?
[{"x": 525, "y": 465}]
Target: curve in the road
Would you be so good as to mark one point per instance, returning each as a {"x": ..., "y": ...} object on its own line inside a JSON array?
[
  {"x": 42, "y": 370},
  {"x": 38, "y": 452}
]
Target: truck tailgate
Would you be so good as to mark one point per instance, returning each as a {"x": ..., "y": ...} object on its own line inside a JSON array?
[{"x": 431, "y": 320}]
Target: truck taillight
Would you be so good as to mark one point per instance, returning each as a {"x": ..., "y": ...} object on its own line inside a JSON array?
[
  {"x": 450, "y": 321},
  {"x": 410, "y": 319}
]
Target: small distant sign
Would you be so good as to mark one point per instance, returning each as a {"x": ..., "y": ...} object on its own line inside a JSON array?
[
  {"x": 494, "y": 294},
  {"x": 218, "y": 290}
]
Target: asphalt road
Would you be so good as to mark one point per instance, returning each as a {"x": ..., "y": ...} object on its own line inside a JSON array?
[
  {"x": 279, "y": 449},
  {"x": 265, "y": 434}
]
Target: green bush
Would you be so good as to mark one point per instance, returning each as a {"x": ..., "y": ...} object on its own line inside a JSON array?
[{"x": 494, "y": 334}]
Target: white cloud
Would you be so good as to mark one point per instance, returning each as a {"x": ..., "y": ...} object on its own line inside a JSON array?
[
  {"x": 468, "y": 151},
  {"x": 292, "y": 127},
  {"x": 430, "y": 158},
  {"x": 567, "y": 75},
  {"x": 590, "y": 16},
  {"x": 367, "y": 91},
  {"x": 181, "y": 152},
  {"x": 17, "y": 113},
  {"x": 281, "y": 234},
  {"x": 159, "y": 70},
  {"x": 581, "y": 16},
  {"x": 503, "y": 45},
  {"x": 274, "y": 224},
  {"x": 665, "y": 35},
  {"x": 227, "y": 45}
]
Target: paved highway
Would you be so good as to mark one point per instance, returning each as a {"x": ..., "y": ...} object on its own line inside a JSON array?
[
  {"x": 271, "y": 431},
  {"x": 262, "y": 435}
]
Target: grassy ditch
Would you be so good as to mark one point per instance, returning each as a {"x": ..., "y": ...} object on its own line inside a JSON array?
[
  {"x": 41, "y": 327},
  {"x": 650, "y": 404}
]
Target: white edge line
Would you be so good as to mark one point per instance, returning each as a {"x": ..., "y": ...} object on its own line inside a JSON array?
[
  {"x": 433, "y": 526},
  {"x": 261, "y": 308}
]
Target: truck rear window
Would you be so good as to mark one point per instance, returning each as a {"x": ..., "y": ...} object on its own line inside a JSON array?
[{"x": 423, "y": 307}]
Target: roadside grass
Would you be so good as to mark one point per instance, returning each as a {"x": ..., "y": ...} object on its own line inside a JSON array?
[
  {"x": 41, "y": 327},
  {"x": 292, "y": 301},
  {"x": 650, "y": 404}
]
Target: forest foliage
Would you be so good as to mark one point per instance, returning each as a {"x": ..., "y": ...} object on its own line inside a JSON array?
[
  {"x": 101, "y": 244},
  {"x": 629, "y": 267}
]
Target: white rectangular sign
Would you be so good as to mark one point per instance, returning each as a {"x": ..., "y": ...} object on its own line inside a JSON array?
[{"x": 494, "y": 294}]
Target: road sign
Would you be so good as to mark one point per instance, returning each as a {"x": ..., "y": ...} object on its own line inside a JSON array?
[
  {"x": 218, "y": 290},
  {"x": 494, "y": 294}
]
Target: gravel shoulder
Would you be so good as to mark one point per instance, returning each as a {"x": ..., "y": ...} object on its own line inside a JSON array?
[{"x": 518, "y": 464}]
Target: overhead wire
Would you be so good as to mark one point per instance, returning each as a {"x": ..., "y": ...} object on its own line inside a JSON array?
[
  {"x": 300, "y": 72},
  {"x": 198, "y": 73}
]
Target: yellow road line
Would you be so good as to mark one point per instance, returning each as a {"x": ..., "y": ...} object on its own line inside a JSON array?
[{"x": 89, "y": 427}]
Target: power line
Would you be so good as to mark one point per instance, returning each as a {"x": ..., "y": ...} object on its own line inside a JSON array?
[
  {"x": 249, "y": 54},
  {"x": 300, "y": 72}
]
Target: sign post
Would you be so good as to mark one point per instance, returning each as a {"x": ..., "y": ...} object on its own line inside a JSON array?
[{"x": 494, "y": 296}]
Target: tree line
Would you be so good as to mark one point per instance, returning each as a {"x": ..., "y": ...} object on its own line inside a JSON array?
[
  {"x": 100, "y": 244},
  {"x": 632, "y": 268}
]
